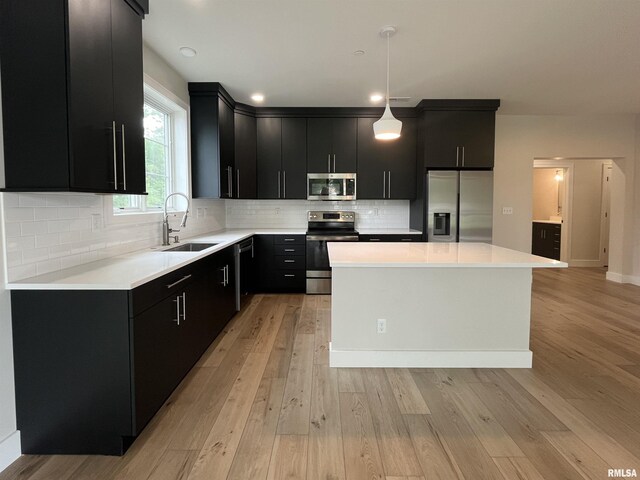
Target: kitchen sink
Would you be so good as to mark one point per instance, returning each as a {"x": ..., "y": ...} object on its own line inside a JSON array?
[{"x": 190, "y": 247}]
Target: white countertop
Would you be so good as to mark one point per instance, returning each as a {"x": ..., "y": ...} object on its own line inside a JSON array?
[
  {"x": 433, "y": 255},
  {"x": 126, "y": 272},
  {"x": 388, "y": 231},
  {"x": 555, "y": 222}
]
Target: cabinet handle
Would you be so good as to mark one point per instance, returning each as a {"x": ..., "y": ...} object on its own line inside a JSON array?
[
  {"x": 374, "y": 239},
  {"x": 457, "y": 156},
  {"x": 226, "y": 274},
  {"x": 289, "y": 239},
  {"x": 238, "y": 182},
  {"x": 284, "y": 184},
  {"x": 115, "y": 157},
  {"x": 179, "y": 281},
  {"x": 230, "y": 181},
  {"x": 334, "y": 163},
  {"x": 406, "y": 240},
  {"x": 289, "y": 249},
  {"x": 279, "y": 184},
  {"x": 384, "y": 184},
  {"x": 289, "y": 275},
  {"x": 289, "y": 261},
  {"x": 463, "y": 156},
  {"x": 329, "y": 163},
  {"x": 177, "y": 319},
  {"x": 124, "y": 161},
  {"x": 184, "y": 306},
  {"x": 389, "y": 189}
]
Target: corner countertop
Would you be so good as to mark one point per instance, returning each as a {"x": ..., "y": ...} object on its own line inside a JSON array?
[
  {"x": 432, "y": 255},
  {"x": 129, "y": 271}
]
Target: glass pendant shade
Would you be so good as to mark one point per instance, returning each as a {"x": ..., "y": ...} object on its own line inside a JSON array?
[{"x": 388, "y": 127}]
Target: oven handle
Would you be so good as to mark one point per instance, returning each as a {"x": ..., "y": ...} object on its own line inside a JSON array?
[{"x": 333, "y": 238}]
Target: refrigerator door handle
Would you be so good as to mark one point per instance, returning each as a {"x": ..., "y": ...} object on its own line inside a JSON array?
[{"x": 457, "y": 155}]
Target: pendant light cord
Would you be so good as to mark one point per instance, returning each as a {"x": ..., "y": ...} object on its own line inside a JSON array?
[{"x": 388, "y": 69}]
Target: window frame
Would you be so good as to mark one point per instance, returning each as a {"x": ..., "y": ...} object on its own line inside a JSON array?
[{"x": 178, "y": 114}]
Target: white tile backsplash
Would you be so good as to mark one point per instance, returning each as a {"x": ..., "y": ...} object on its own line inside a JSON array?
[
  {"x": 49, "y": 232},
  {"x": 293, "y": 213}
]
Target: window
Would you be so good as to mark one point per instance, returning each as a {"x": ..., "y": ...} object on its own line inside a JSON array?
[{"x": 165, "y": 151}]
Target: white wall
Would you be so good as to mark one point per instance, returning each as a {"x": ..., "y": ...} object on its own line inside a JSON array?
[
  {"x": 546, "y": 190},
  {"x": 521, "y": 138}
]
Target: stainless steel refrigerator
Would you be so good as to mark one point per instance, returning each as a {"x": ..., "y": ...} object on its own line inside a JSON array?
[{"x": 459, "y": 206}]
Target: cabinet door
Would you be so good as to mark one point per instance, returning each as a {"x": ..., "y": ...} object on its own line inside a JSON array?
[
  {"x": 344, "y": 141},
  {"x": 245, "y": 156},
  {"x": 156, "y": 368},
  {"x": 93, "y": 135},
  {"x": 128, "y": 96},
  {"x": 227, "y": 144},
  {"x": 371, "y": 182},
  {"x": 319, "y": 145},
  {"x": 191, "y": 328},
  {"x": 400, "y": 162},
  {"x": 226, "y": 307},
  {"x": 440, "y": 130},
  {"x": 537, "y": 240},
  {"x": 294, "y": 154},
  {"x": 269, "y": 133},
  {"x": 477, "y": 139}
]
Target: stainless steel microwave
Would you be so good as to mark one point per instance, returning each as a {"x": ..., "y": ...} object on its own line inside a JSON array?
[{"x": 331, "y": 186}]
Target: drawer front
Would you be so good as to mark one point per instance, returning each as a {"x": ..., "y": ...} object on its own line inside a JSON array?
[
  {"x": 390, "y": 238},
  {"x": 155, "y": 291},
  {"x": 290, "y": 262},
  {"x": 289, "y": 250},
  {"x": 291, "y": 280},
  {"x": 288, "y": 239}
]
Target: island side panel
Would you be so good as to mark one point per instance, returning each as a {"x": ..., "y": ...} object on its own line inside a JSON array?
[{"x": 435, "y": 317}]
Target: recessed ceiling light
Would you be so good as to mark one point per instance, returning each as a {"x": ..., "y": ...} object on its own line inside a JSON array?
[
  {"x": 188, "y": 52},
  {"x": 257, "y": 97},
  {"x": 376, "y": 97},
  {"x": 358, "y": 52}
]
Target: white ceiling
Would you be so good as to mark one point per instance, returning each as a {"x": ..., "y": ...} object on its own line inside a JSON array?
[{"x": 537, "y": 56}]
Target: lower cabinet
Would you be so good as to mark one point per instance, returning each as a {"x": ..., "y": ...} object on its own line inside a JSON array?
[
  {"x": 417, "y": 237},
  {"x": 281, "y": 263},
  {"x": 545, "y": 240},
  {"x": 93, "y": 367}
]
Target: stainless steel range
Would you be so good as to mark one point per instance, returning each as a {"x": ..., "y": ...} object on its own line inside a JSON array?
[{"x": 323, "y": 227}]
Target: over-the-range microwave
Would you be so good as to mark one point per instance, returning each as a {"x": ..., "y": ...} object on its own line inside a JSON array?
[{"x": 331, "y": 186}]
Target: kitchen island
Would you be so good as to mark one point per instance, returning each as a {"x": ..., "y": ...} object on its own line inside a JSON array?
[{"x": 431, "y": 305}]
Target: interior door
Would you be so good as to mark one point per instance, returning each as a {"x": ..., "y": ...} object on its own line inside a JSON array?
[{"x": 605, "y": 215}]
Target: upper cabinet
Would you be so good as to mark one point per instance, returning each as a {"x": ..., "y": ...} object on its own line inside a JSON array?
[
  {"x": 72, "y": 95},
  {"x": 282, "y": 148},
  {"x": 458, "y": 133},
  {"x": 386, "y": 168},
  {"x": 245, "y": 153},
  {"x": 331, "y": 145},
  {"x": 212, "y": 141}
]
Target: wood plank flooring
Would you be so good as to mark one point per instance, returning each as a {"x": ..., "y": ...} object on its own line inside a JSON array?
[{"x": 262, "y": 403}]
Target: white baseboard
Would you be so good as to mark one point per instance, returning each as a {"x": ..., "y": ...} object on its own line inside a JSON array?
[
  {"x": 430, "y": 359},
  {"x": 10, "y": 450},
  {"x": 620, "y": 278},
  {"x": 585, "y": 263}
]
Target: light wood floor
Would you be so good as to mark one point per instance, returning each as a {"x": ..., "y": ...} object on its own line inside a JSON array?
[{"x": 263, "y": 403}]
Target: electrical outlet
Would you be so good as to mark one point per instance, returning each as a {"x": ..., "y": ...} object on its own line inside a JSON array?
[
  {"x": 199, "y": 212},
  {"x": 278, "y": 211},
  {"x": 382, "y": 325},
  {"x": 507, "y": 210}
]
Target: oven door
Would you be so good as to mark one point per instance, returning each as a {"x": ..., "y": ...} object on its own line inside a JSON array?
[{"x": 318, "y": 269}]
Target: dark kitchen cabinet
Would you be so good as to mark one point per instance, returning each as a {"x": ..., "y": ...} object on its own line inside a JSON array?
[
  {"x": 245, "y": 155},
  {"x": 393, "y": 237},
  {"x": 458, "y": 138},
  {"x": 212, "y": 141},
  {"x": 89, "y": 378},
  {"x": 83, "y": 83},
  {"x": 281, "y": 263},
  {"x": 281, "y": 166},
  {"x": 386, "y": 169},
  {"x": 331, "y": 145},
  {"x": 545, "y": 240}
]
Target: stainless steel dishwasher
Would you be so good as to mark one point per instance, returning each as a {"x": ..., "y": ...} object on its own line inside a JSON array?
[{"x": 244, "y": 255}]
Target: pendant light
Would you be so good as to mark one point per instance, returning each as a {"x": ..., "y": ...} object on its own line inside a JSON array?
[{"x": 388, "y": 127}]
